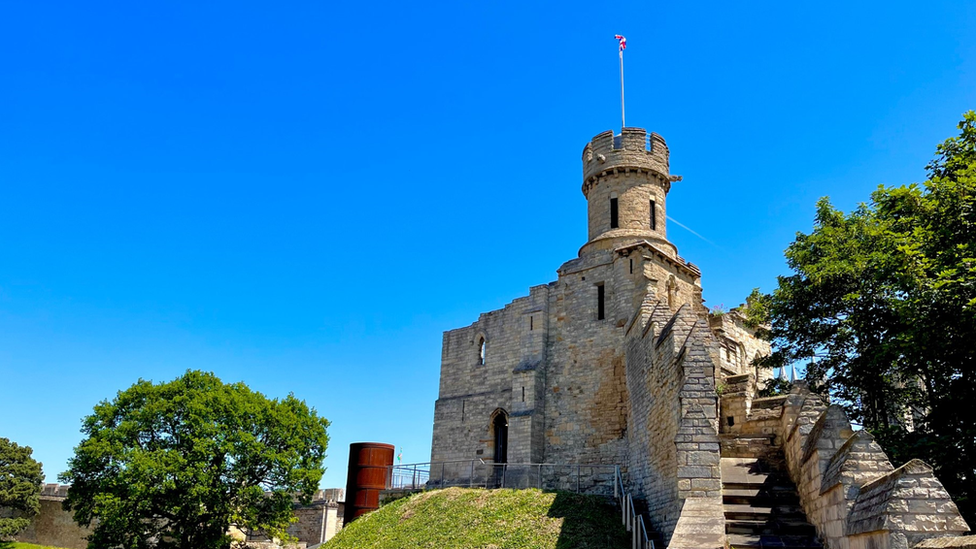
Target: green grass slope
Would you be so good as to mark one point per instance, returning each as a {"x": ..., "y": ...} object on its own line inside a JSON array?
[
  {"x": 18, "y": 545},
  {"x": 458, "y": 518}
]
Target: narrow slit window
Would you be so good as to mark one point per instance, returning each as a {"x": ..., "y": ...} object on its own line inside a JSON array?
[
  {"x": 632, "y": 265},
  {"x": 600, "y": 302},
  {"x": 613, "y": 213},
  {"x": 653, "y": 215},
  {"x": 481, "y": 351},
  {"x": 531, "y": 323}
]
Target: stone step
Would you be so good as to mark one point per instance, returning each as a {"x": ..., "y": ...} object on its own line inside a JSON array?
[
  {"x": 762, "y": 489},
  {"x": 754, "y": 480},
  {"x": 770, "y": 527},
  {"x": 744, "y": 446},
  {"x": 752, "y": 471},
  {"x": 749, "y": 510},
  {"x": 764, "y": 541},
  {"x": 759, "y": 495},
  {"x": 762, "y": 509}
]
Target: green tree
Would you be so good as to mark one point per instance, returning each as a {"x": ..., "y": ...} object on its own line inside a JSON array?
[
  {"x": 884, "y": 300},
  {"x": 20, "y": 486},
  {"x": 174, "y": 465}
]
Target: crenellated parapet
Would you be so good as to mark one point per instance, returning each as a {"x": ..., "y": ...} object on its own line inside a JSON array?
[
  {"x": 632, "y": 151},
  {"x": 626, "y": 180},
  {"x": 849, "y": 489}
]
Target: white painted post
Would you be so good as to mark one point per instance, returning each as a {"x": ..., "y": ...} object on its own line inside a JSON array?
[
  {"x": 633, "y": 539},
  {"x": 616, "y": 481}
]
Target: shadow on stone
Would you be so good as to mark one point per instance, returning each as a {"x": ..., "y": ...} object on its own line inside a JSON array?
[{"x": 589, "y": 522}]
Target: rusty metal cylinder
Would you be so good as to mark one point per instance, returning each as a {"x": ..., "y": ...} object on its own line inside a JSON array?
[{"x": 370, "y": 464}]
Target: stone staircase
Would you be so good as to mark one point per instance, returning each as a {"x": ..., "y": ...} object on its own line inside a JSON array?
[{"x": 762, "y": 508}]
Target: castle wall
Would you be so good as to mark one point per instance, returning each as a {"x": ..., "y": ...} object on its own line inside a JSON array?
[
  {"x": 634, "y": 385},
  {"x": 586, "y": 393},
  {"x": 53, "y": 526},
  {"x": 653, "y": 382},
  {"x": 508, "y": 381},
  {"x": 674, "y": 448},
  {"x": 739, "y": 346},
  {"x": 848, "y": 488},
  {"x": 318, "y": 522}
]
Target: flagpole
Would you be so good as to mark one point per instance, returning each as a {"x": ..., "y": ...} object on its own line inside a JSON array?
[{"x": 623, "y": 118}]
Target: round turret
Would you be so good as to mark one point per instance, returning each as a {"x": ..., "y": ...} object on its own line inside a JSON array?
[{"x": 626, "y": 180}]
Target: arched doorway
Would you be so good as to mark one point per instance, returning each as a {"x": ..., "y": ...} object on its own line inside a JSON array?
[{"x": 499, "y": 426}]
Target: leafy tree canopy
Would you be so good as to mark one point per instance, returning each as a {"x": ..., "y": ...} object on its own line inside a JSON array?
[
  {"x": 174, "y": 465},
  {"x": 20, "y": 486},
  {"x": 882, "y": 302}
]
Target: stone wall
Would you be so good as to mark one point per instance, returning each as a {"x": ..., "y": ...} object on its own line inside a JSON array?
[
  {"x": 627, "y": 169},
  {"x": 318, "y": 522},
  {"x": 53, "y": 525},
  {"x": 849, "y": 489},
  {"x": 653, "y": 379},
  {"x": 701, "y": 525},
  {"x": 738, "y": 345},
  {"x": 507, "y": 380},
  {"x": 634, "y": 386},
  {"x": 674, "y": 448},
  {"x": 586, "y": 391}
]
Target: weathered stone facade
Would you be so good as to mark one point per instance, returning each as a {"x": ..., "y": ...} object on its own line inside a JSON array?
[
  {"x": 619, "y": 362},
  {"x": 615, "y": 361},
  {"x": 315, "y": 523},
  {"x": 849, "y": 490},
  {"x": 52, "y": 525}
]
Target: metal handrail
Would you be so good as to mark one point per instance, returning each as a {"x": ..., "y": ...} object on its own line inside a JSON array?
[
  {"x": 574, "y": 477},
  {"x": 420, "y": 476},
  {"x": 633, "y": 522}
]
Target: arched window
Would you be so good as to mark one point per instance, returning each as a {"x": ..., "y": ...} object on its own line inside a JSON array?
[
  {"x": 499, "y": 431},
  {"x": 481, "y": 350}
]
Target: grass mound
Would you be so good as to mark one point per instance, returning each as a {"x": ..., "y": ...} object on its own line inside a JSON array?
[
  {"x": 19, "y": 545},
  {"x": 458, "y": 518}
]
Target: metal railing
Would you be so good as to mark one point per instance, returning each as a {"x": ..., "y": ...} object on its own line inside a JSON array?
[
  {"x": 618, "y": 142},
  {"x": 571, "y": 477},
  {"x": 632, "y": 521},
  {"x": 603, "y": 480}
]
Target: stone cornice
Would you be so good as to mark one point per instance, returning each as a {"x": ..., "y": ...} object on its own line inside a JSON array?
[
  {"x": 664, "y": 179},
  {"x": 679, "y": 262}
]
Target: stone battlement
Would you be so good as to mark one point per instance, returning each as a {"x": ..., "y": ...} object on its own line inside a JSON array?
[
  {"x": 632, "y": 150},
  {"x": 56, "y": 492}
]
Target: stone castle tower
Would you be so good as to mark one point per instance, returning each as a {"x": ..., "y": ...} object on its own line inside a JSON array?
[
  {"x": 549, "y": 367},
  {"x": 619, "y": 362}
]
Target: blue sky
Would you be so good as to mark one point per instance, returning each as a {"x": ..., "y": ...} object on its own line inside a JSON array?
[{"x": 304, "y": 196}]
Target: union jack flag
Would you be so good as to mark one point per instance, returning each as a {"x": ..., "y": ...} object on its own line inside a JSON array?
[{"x": 623, "y": 41}]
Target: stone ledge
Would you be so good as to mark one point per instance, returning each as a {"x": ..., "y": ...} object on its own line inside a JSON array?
[{"x": 961, "y": 542}]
